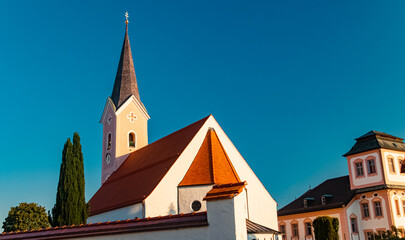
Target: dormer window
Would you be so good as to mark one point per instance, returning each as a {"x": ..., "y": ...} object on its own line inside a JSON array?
[
  {"x": 325, "y": 198},
  {"x": 307, "y": 201}
]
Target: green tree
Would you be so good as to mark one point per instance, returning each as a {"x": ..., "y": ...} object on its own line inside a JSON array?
[
  {"x": 70, "y": 207},
  {"x": 26, "y": 216},
  {"x": 393, "y": 234},
  {"x": 326, "y": 228}
]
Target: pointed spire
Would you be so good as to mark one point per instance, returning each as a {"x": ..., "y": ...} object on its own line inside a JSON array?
[{"x": 125, "y": 83}]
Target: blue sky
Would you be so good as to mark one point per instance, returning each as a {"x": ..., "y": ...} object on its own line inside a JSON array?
[{"x": 292, "y": 83}]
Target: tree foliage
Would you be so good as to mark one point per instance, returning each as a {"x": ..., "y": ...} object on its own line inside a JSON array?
[
  {"x": 26, "y": 216},
  {"x": 326, "y": 228},
  {"x": 392, "y": 234},
  {"x": 70, "y": 207}
]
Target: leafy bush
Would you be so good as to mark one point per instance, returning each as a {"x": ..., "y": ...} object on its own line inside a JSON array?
[
  {"x": 326, "y": 228},
  {"x": 26, "y": 216}
]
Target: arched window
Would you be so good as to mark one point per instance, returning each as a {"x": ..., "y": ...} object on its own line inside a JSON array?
[
  {"x": 109, "y": 141},
  {"x": 131, "y": 139}
]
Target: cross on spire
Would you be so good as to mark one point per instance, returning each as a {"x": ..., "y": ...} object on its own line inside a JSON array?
[{"x": 126, "y": 17}]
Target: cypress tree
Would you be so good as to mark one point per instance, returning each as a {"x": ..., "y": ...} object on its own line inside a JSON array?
[
  {"x": 77, "y": 152},
  {"x": 70, "y": 207}
]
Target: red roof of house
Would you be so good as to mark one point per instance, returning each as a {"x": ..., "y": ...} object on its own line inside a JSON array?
[
  {"x": 225, "y": 191},
  {"x": 142, "y": 171},
  {"x": 211, "y": 164},
  {"x": 117, "y": 227}
]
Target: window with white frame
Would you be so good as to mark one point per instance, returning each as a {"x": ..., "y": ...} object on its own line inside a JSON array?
[
  {"x": 397, "y": 207},
  {"x": 353, "y": 224},
  {"x": 282, "y": 230},
  {"x": 308, "y": 229},
  {"x": 377, "y": 208},
  {"x": 369, "y": 235},
  {"x": 391, "y": 165},
  {"x": 371, "y": 166},
  {"x": 294, "y": 228},
  {"x": 365, "y": 210},
  {"x": 359, "y": 169}
]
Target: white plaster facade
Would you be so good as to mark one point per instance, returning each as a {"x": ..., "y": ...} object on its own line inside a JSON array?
[
  {"x": 372, "y": 223},
  {"x": 128, "y": 212},
  {"x": 189, "y": 194},
  {"x": 367, "y": 179}
]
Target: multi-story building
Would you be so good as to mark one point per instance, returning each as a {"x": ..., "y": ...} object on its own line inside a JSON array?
[{"x": 369, "y": 200}]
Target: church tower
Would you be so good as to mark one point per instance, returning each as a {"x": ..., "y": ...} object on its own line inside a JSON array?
[{"x": 124, "y": 119}]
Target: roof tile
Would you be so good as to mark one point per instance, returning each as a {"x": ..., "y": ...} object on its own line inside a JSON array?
[{"x": 211, "y": 164}]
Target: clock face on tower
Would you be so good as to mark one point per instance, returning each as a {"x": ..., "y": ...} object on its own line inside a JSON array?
[{"x": 108, "y": 158}]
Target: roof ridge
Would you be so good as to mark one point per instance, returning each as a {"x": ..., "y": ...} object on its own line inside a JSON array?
[
  {"x": 227, "y": 158},
  {"x": 211, "y": 155}
]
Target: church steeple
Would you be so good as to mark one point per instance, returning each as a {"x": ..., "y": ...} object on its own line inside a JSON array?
[
  {"x": 125, "y": 83},
  {"x": 125, "y": 119}
]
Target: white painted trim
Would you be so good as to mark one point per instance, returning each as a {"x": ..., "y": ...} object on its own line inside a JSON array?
[
  {"x": 136, "y": 138},
  {"x": 109, "y": 102},
  {"x": 137, "y": 103}
]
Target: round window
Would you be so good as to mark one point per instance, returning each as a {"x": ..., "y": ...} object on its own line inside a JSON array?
[{"x": 196, "y": 205}]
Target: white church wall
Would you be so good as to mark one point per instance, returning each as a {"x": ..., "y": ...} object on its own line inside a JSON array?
[
  {"x": 198, "y": 233},
  {"x": 164, "y": 200},
  {"x": 262, "y": 208},
  {"x": 227, "y": 218},
  {"x": 189, "y": 194},
  {"x": 129, "y": 212}
]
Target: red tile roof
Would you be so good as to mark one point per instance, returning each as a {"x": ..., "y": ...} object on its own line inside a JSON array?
[
  {"x": 211, "y": 164},
  {"x": 142, "y": 171},
  {"x": 225, "y": 191},
  {"x": 117, "y": 227}
]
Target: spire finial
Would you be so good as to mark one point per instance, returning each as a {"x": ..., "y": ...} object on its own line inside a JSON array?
[{"x": 126, "y": 17}]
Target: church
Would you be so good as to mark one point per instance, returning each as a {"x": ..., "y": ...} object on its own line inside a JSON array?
[
  {"x": 368, "y": 201},
  {"x": 191, "y": 184}
]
